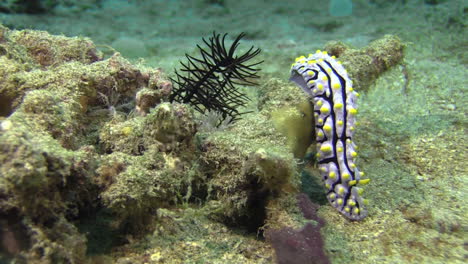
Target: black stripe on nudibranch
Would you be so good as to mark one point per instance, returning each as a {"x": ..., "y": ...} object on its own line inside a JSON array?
[
  {"x": 327, "y": 82},
  {"x": 342, "y": 136}
]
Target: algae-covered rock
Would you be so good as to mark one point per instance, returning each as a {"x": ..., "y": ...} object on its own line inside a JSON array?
[
  {"x": 27, "y": 56},
  {"x": 134, "y": 187},
  {"x": 56, "y": 94},
  {"x": 167, "y": 127},
  {"x": 152, "y": 162},
  {"x": 249, "y": 165},
  {"x": 41, "y": 185},
  {"x": 159, "y": 89},
  {"x": 366, "y": 64}
]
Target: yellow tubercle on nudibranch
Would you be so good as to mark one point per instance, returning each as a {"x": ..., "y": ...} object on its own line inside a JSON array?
[
  {"x": 325, "y": 80},
  {"x": 364, "y": 181},
  {"x": 324, "y": 109},
  {"x": 325, "y": 148},
  {"x": 345, "y": 176},
  {"x": 341, "y": 190}
]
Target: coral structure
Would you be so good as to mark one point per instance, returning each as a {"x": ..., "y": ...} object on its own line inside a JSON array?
[
  {"x": 57, "y": 94},
  {"x": 23, "y": 51},
  {"x": 209, "y": 83},
  {"x": 83, "y": 138},
  {"x": 242, "y": 184},
  {"x": 365, "y": 65},
  {"x": 148, "y": 98}
]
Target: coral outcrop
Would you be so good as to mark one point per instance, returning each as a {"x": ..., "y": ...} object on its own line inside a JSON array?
[
  {"x": 60, "y": 99},
  {"x": 365, "y": 65},
  {"x": 88, "y": 141}
]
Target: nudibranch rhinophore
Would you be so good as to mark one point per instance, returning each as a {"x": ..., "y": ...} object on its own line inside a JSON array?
[{"x": 324, "y": 79}]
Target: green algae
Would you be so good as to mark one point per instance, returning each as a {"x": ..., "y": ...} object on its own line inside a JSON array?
[{"x": 295, "y": 122}]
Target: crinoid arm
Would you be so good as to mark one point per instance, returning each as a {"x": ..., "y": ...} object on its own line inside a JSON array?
[{"x": 209, "y": 83}]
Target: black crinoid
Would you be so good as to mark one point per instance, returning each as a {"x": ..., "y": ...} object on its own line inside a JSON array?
[{"x": 209, "y": 83}]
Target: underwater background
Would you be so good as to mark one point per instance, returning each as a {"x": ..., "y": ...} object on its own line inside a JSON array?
[{"x": 101, "y": 163}]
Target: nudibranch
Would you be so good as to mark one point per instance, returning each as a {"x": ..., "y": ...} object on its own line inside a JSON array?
[{"x": 326, "y": 81}]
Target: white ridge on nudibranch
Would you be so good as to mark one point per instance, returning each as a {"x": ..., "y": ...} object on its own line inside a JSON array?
[{"x": 326, "y": 81}]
